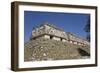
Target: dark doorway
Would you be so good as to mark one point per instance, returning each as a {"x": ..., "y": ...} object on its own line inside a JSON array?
[
  {"x": 61, "y": 39},
  {"x": 51, "y": 37}
]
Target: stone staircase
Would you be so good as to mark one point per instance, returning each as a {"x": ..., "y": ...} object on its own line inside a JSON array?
[{"x": 46, "y": 49}]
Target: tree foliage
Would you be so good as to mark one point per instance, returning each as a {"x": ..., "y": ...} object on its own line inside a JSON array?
[{"x": 87, "y": 29}]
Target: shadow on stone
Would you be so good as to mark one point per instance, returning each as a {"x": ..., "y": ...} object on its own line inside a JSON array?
[{"x": 82, "y": 52}]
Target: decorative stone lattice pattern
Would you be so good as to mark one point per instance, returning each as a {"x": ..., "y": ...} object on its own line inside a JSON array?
[{"x": 50, "y": 31}]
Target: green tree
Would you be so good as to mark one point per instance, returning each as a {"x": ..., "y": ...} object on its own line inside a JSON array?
[{"x": 87, "y": 29}]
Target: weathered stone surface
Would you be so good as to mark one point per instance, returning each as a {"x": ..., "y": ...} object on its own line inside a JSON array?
[
  {"x": 51, "y": 43},
  {"x": 45, "y": 49},
  {"x": 48, "y": 31}
]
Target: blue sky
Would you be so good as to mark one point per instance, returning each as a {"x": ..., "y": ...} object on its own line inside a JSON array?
[{"x": 69, "y": 22}]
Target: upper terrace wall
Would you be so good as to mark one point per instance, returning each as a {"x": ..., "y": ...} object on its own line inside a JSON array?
[
  {"x": 38, "y": 31},
  {"x": 72, "y": 37},
  {"x": 76, "y": 39},
  {"x": 57, "y": 34},
  {"x": 45, "y": 29}
]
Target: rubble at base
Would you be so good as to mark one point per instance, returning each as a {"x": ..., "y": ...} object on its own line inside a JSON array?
[{"x": 46, "y": 49}]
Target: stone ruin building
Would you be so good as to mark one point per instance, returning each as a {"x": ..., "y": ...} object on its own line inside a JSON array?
[{"x": 47, "y": 33}]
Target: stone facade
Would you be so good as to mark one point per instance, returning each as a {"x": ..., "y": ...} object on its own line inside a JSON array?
[
  {"x": 76, "y": 40},
  {"x": 49, "y": 31},
  {"x": 48, "y": 42}
]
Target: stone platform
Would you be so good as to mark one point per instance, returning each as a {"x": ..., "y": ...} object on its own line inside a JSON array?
[{"x": 46, "y": 49}]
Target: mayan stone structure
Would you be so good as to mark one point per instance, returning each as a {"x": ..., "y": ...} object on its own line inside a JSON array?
[
  {"x": 49, "y": 42},
  {"x": 50, "y": 31}
]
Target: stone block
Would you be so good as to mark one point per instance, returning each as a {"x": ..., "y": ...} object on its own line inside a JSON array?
[
  {"x": 64, "y": 40},
  {"x": 56, "y": 38},
  {"x": 75, "y": 42},
  {"x": 47, "y": 36}
]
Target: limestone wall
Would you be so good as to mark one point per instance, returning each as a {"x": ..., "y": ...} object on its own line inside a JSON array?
[
  {"x": 72, "y": 37},
  {"x": 64, "y": 40},
  {"x": 76, "y": 40},
  {"x": 38, "y": 31},
  {"x": 86, "y": 42},
  {"x": 56, "y": 38},
  {"x": 47, "y": 36},
  {"x": 49, "y": 32},
  {"x": 56, "y": 32}
]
